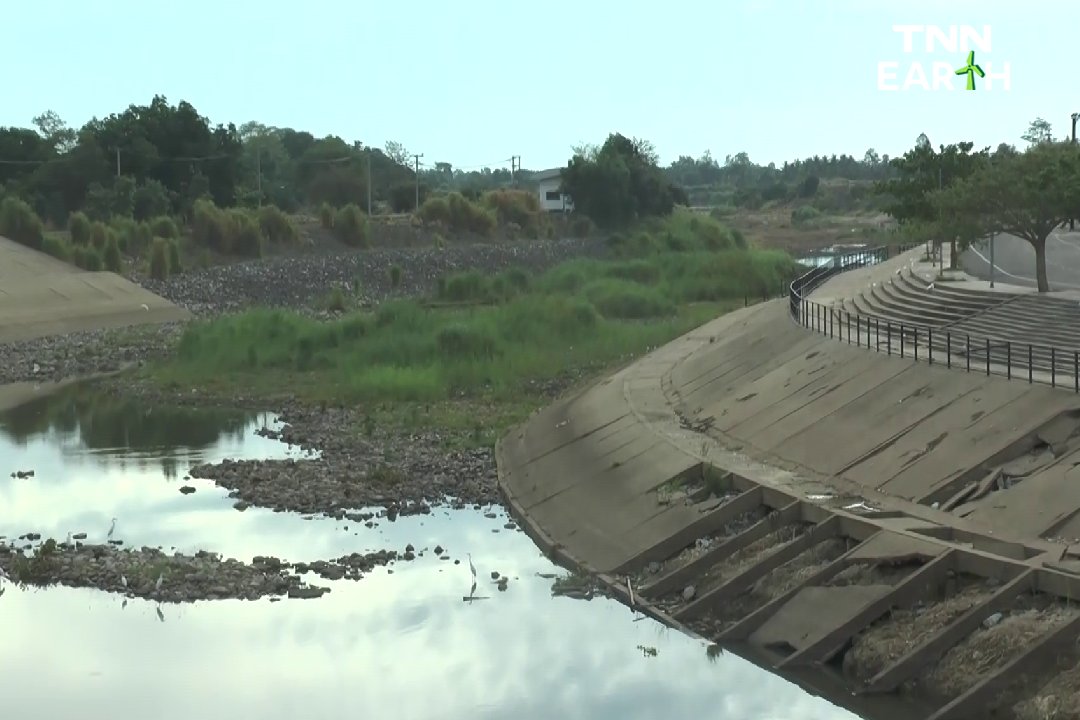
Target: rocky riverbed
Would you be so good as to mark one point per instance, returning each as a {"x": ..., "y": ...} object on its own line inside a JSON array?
[
  {"x": 151, "y": 574},
  {"x": 295, "y": 281}
]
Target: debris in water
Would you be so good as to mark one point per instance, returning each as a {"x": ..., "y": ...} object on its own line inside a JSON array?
[{"x": 647, "y": 651}]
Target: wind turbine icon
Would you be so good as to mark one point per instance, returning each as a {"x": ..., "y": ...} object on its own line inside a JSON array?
[{"x": 971, "y": 70}]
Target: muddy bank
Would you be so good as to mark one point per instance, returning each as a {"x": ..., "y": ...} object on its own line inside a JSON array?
[
  {"x": 152, "y": 574},
  {"x": 297, "y": 281}
]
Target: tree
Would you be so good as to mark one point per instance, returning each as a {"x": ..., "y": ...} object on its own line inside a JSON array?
[
  {"x": 1024, "y": 194},
  {"x": 871, "y": 157},
  {"x": 397, "y": 152},
  {"x": 619, "y": 182},
  {"x": 55, "y": 131},
  {"x": 1038, "y": 132}
]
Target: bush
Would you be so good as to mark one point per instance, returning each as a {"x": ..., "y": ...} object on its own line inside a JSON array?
[
  {"x": 244, "y": 236},
  {"x": 351, "y": 226},
  {"x": 99, "y": 235},
  {"x": 175, "y": 265},
  {"x": 233, "y": 231},
  {"x": 456, "y": 213},
  {"x": 79, "y": 227},
  {"x": 517, "y": 207},
  {"x": 326, "y": 216},
  {"x": 623, "y": 300},
  {"x": 460, "y": 342},
  {"x": 394, "y": 274},
  {"x": 805, "y": 215},
  {"x": 276, "y": 226},
  {"x": 111, "y": 256},
  {"x": 159, "y": 259},
  {"x": 20, "y": 223},
  {"x": 582, "y": 227},
  {"x": 164, "y": 226},
  {"x": 91, "y": 260},
  {"x": 149, "y": 200},
  {"x": 55, "y": 246}
]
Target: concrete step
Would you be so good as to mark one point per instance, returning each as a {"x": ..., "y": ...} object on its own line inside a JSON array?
[
  {"x": 934, "y": 313},
  {"x": 897, "y": 315},
  {"x": 943, "y": 293}
]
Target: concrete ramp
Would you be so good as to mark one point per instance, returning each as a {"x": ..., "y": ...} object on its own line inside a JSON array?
[{"x": 41, "y": 296}]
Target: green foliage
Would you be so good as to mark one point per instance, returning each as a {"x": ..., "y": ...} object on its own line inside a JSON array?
[
  {"x": 519, "y": 208},
  {"x": 117, "y": 198},
  {"x": 456, "y": 213},
  {"x": 805, "y": 216},
  {"x": 326, "y": 216},
  {"x": 79, "y": 228},
  {"x": 111, "y": 255},
  {"x": 99, "y": 235},
  {"x": 276, "y": 226},
  {"x": 624, "y": 300},
  {"x": 921, "y": 171},
  {"x": 394, "y": 275},
  {"x": 619, "y": 183},
  {"x": 159, "y": 259},
  {"x": 164, "y": 226},
  {"x": 175, "y": 265},
  {"x": 351, "y": 226},
  {"x": 230, "y": 231},
  {"x": 55, "y": 246},
  {"x": 20, "y": 223},
  {"x": 87, "y": 258},
  {"x": 582, "y": 227},
  {"x": 402, "y": 197},
  {"x": 809, "y": 187},
  {"x": 149, "y": 200}
]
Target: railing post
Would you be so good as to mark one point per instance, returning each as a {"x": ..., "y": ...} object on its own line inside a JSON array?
[
  {"x": 1053, "y": 367},
  {"x": 1076, "y": 371},
  {"x": 1031, "y": 375},
  {"x": 948, "y": 349},
  {"x": 1008, "y": 359},
  {"x": 829, "y": 310},
  {"x": 848, "y": 322},
  {"x": 987, "y": 356},
  {"x": 930, "y": 345},
  {"x": 877, "y": 334},
  {"x": 901, "y": 339},
  {"x": 888, "y": 337},
  {"x": 967, "y": 351},
  {"x": 915, "y": 343}
]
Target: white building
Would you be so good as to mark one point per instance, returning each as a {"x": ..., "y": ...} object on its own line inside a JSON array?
[{"x": 551, "y": 198}]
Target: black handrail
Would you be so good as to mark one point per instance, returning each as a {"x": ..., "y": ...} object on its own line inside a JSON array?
[{"x": 993, "y": 356}]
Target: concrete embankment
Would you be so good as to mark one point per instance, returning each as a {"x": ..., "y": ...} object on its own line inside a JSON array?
[
  {"x": 40, "y": 296},
  {"x": 795, "y": 495}
]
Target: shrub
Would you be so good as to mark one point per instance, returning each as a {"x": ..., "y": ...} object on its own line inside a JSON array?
[
  {"x": 394, "y": 274},
  {"x": 464, "y": 342},
  {"x": 459, "y": 214},
  {"x": 515, "y": 207},
  {"x": 209, "y": 226},
  {"x": 276, "y": 226},
  {"x": 111, "y": 255},
  {"x": 99, "y": 235},
  {"x": 149, "y": 200},
  {"x": 244, "y": 236},
  {"x": 639, "y": 271},
  {"x": 326, "y": 216},
  {"x": 55, "y": 246},
  {"x": 20, "y": 223},
  {"x": 805, "y": 215},
  {"x": 175, "y": 265},
  {"x": 164, "y": 226},
  {"x": 92, "y": 260},
  {"x": 159, "y": 259},
  {"x": 351, "y": 226},
  {"x": 582, "y": 227},
  {"x": 79, "y": 227}
]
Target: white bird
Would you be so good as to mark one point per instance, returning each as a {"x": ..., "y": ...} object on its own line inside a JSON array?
[
  {"x": 898, "y": 271},
  {"x": 35, "y": 368},
  {"x": 160, "y": 615},
  {"x": 123, "y": 581},
  {"x": 112, "y": 529},
  {"x": 145, "y": 307},
  {"x": 472, "y": 568},
  {"x": 930, "y": 286},
  {"x": 157, "y": 585},
  {"x": 68, "y": 540}
]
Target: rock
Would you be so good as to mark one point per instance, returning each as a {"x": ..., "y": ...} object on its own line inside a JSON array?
[
  {"x": 241, "y": 505},
  {"x": 186, "y": 489},
  {"x": 438, "y": 549},
  {"x": 490, "y": 515},
  {"x": 654, "y": 567},
  {"x": 79, "y": 536},
  {"x": 503, "y": 582},
  {"x": 688, "y": 593},
  {"x": 409, "y": 548},
  {"x": 992, "y": 620},
  {"x": 307, "y": 593},
  {"x": 494, "y": 574},
  {"x": 409, "y": 556}
]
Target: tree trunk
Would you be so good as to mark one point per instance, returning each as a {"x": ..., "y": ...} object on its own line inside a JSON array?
[
  {"x": 952, "y": 254},
  {"x": 1040, "y": 265}
]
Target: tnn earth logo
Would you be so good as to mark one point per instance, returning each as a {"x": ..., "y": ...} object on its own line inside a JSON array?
[{"x": 964, "y": 45}]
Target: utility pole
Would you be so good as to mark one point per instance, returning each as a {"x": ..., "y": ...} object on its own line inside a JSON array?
[
  {"x": 416, "y": 160},
  {"x": 514, "y": 159},
  {"x": 117, "y": 162},
  {"x": 369, "y": 182},
  {"x": 258, "y": 173},
  {"x": 1075, "y": 117}
]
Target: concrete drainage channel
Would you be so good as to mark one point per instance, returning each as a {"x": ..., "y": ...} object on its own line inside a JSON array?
[{"x": 858, "y": 606}]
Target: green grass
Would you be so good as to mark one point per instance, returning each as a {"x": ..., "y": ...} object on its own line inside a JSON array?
[{"x": 475, "y": 365}]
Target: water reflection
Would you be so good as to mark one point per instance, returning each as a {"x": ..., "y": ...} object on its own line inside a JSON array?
[{"x": 400, "y": 642}]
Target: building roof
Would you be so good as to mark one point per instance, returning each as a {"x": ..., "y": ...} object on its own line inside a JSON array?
[{"x": 548, "y": 174}]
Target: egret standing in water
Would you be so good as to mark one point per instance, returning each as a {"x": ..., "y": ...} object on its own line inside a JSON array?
[
  {"x": 157, "y": 585},
  {"x": 472, "y": 568},
  {"x": 112, "y": 529}
]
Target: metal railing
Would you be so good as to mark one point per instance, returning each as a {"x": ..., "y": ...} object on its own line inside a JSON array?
[{"x": 1058, "y": 367}]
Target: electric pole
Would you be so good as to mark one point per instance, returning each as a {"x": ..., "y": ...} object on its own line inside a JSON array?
[
  {"x": 416, "y": 160},
  {"x": 117, "y": 162},
  {"x": 258, "y": 173},
  {"x": 369, "y": 182},
  {"x": 514, "y": 159},
  {"x": 1075, "y": 117}
]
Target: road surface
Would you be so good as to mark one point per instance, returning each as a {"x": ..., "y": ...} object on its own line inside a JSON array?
[{"x": 1014, "y": 260}]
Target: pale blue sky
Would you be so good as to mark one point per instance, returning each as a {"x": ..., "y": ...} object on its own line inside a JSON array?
[{"x": 473, "y": 82}]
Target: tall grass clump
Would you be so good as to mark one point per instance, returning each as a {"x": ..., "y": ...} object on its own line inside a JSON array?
[
  {"x": 20, "y": 223},
  {"x": 111, "y": 255},
  {"x": 517, "y": 207},
  {"x": 164, "y": 226},
  {"x": 276, "y": 226},
  {"x": 79, "y": 228},
  {"x": 457, "y": 213},
  {"x": 57, "y": 247},
  {"x": 351, "y": 226},
  {"x": 159, "y": 259}
]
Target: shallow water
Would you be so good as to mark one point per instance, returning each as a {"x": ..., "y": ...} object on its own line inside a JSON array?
[{"x": 400, "y": 642}]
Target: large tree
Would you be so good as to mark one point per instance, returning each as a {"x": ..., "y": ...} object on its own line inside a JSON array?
[{"x": 1025, "y": 194}]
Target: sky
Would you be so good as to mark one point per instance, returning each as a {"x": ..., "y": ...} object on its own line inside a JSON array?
[{"x": 475, "y": 82}]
